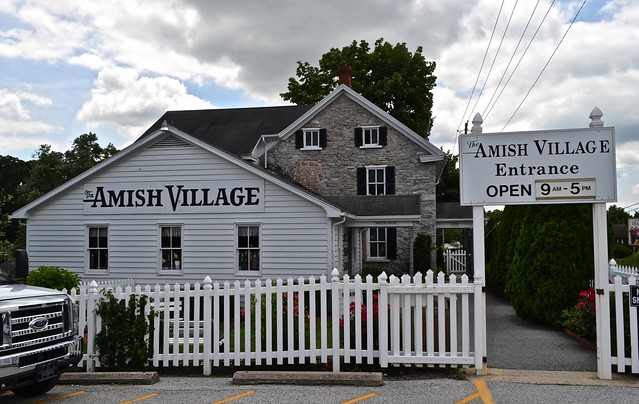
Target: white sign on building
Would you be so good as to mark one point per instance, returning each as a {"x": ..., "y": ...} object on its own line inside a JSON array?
[{"x": 550, "y": 166}]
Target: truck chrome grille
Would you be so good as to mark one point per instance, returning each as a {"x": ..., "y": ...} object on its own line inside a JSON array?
[{"x": 31, "y": 325}]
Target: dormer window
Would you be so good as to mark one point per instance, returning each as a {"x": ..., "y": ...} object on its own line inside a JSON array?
[
  {"x": 310, "y": 139},
  {"x": 370, "y": 136}
]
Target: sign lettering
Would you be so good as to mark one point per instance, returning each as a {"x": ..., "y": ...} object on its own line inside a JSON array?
[
  {"x": 180, "y": 197},
  {"x": 575, "y": 165}
]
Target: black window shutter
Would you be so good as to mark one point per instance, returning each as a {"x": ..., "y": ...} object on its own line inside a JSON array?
[
  {"x": 391, "y": 243},
  {"x": 358, "y": 137},
  {"x": 322, "y": 139},
  {"x": 390, "y": 180},
  {"x": 383, "y": 138},
  {"x": 361, "y": 180},
  {"x": 299, "y": 139}
]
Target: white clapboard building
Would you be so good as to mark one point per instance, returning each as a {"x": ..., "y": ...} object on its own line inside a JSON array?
[{"x": 244, "y": 193}]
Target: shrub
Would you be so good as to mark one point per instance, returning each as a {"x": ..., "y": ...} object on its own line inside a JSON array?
[
  {"x": 53, "y": 277},
  {"x": 122, "y": 343},
  {"x": 621, "y": 251},
  {"x": 422, "y": 252},
  {"x": 552, "y": 261},
  {"x": 581, "y": 318},
  {"x": 363, "y": 331}
]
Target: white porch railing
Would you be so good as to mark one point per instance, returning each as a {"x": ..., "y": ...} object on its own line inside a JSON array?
[{"x": 419, "y": 320}]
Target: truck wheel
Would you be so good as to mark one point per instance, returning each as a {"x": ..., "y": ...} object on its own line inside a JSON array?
[{"x": 37, "y": 388}]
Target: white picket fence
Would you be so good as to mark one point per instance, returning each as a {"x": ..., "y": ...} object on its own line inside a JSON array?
[
  {"x": 423, "y": 320},
  {"x": 624, "y": 330},
  {"x": 455, "y": 261},
  {"x": 623, "y": 271}
]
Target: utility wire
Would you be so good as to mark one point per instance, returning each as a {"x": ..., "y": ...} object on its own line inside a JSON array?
[
  {"x": 488, "y": 108},
  {"x": 495, "y": 58},
  {"x": 478, "y": 74},
  {"x": 545, "y": 66},
  {"x": 523, "y": 54}
]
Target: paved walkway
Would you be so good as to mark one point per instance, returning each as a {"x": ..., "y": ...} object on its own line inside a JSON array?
[{"x": 516, "y": 344}]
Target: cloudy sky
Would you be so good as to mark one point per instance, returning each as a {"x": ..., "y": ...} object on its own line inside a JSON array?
[{"x": 113, "y": 67}]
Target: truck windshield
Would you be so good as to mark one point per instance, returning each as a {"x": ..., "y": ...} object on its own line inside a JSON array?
[{"x": 5, "y": 279}]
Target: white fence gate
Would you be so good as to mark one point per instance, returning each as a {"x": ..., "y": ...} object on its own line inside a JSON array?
[
  {"x": 455, "y": 261},
  {"x": 418, "y": 320},
  {"x": 620, "y": 337}
]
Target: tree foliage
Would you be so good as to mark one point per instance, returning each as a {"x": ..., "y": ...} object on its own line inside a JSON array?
[
  {"x": 390, "y": 76},
  {"x": 543, "y": 259},
  {"x": 21, "y": 182},
  {"x": 617, "y": 215},
  {"x": 447, "y": 189}
]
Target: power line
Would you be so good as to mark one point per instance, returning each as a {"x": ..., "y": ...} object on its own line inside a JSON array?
[
  {"x": 478, "y": 74},
  {"x": 523, "y": 54},
  {"x": 545, "y": 66},
  {"x": 488, "y": 107},
  {"x": 496, "y": 55}
]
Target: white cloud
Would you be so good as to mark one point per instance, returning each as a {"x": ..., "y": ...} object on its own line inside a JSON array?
[
  {"x": 152, "y": 56},
  {"x": 133, "y": 102},
  {"x": 18, "y": 131},
  {"x": 15, "y": 116}
]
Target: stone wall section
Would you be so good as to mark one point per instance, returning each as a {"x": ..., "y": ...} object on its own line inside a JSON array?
[{"x": 332, "y": 170}]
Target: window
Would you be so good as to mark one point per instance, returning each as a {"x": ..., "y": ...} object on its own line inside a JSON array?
[
  {"x": 171, "y": 247},
  {"x": 377, "y": 242},
  {"x": 98, "y": 247},
  {"x": 370, "y": 136},
  {"x": 376, "y": 180},
  {"x": 310, "y": 139},
  {"x": 248, "y": 247},
  {"x": 382, "y": 243}
]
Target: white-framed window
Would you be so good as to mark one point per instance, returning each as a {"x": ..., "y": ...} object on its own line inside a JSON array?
[
  {"x": 98, "y": 247},
  {"x": 171, "y": 247},
  {"x": 370, "y": 136},
  {"x": 248, "y": 247},
  {"x": 377, "y": 243},
  {"x": 310, "y": 138},
  {"x": 376, "y": 180}
]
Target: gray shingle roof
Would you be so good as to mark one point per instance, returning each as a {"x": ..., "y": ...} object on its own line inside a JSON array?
[
  {"x": 235, "y": 130},
  {"x": 378, "y": 205}
]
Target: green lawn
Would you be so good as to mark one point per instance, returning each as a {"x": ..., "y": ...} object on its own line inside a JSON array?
[{"x": 631, "y": 261}]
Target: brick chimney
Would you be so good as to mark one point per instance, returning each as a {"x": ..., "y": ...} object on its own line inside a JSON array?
[{"x": 345, "y": 74}]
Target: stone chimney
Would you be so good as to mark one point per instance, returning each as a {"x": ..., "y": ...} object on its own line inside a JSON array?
[{"x": 345, "y": 74}]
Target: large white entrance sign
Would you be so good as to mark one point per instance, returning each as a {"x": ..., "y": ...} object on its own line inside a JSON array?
[{"x": 550, "y": 166}]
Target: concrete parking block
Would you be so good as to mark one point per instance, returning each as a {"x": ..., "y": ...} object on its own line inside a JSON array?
[
  {"x": 109, "y": 378},
  {"x": 310, "y": 378}
]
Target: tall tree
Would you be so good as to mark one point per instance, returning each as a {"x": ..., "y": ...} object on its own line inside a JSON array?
[
  {"x": 50, "y": 168},
  {"x": 448, "y": 185},
  {"x": 84, "y": 154},
  {"x": 390, "y": 76},
  {"x": 617, "y": 215}
]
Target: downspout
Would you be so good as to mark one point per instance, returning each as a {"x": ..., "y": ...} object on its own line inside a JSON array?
[
  {"x": 265, "y": 151},
  {"x": 339, "y": 239}
]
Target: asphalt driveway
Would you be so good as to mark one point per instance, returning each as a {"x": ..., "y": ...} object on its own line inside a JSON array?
[{"x": 516, "y": 344}]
